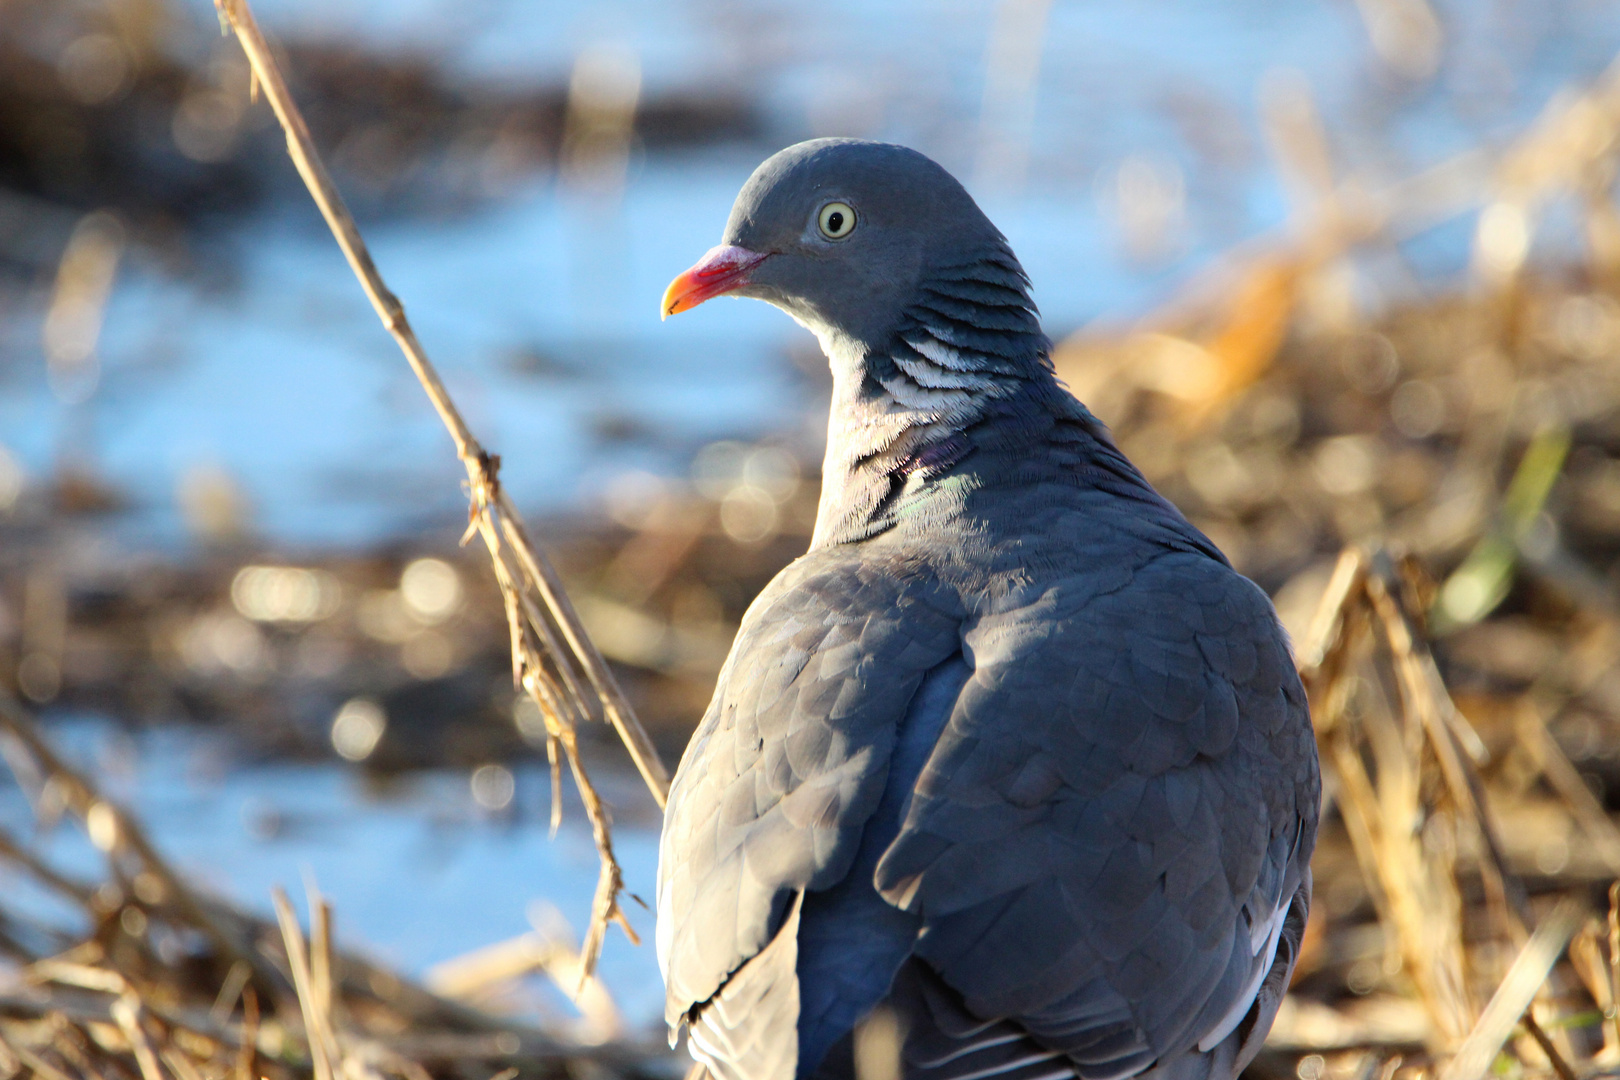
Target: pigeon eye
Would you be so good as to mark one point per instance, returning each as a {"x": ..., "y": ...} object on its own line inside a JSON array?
[{"x": 836, "y": 220}]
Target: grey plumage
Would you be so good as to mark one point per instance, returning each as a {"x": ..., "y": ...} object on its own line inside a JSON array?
[{"x": 1012, "y": 748}]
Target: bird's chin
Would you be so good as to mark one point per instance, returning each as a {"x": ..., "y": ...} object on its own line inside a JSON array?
[
  {"x": 804, "y": 313},
  {"x": 722, "y": 270}
]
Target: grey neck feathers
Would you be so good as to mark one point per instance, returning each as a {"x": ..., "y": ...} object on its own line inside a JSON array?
[{"x": 967, "y": 352}]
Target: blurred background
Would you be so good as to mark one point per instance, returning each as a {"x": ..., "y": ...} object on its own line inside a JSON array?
[{"x": 1336, "y": 271}]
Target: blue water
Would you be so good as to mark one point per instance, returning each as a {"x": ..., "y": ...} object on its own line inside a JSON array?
[
  {"x": 286, "y": 380},
  {"x": 417, "y": 871}
]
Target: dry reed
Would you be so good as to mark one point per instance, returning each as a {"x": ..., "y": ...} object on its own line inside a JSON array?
[{"x": 553, "y": 659}]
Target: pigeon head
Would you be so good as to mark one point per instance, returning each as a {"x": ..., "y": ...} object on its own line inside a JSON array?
[
  {"x": 935, "y": 347},
  {"x": 841, "y": 234}
]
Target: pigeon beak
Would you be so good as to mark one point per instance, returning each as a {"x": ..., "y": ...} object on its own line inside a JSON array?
[{"x": 721, "y": 270}]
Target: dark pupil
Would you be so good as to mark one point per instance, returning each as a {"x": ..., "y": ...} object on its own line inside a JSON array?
[{"x": 835, "y": 221}]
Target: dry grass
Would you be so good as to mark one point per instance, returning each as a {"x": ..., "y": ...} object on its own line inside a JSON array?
[
  {"x": 170, "y": 984},
  {"x": 1404, "y": 780}
]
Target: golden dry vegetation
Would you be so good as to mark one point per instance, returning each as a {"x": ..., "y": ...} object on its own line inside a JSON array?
[{"x": 1428, "y": 484}]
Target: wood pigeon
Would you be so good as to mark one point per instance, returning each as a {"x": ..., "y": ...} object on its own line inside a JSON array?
[{"x": 1012, "y": 752}]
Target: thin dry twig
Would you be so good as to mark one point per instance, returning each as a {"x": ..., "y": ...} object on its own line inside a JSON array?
[
  {"x": 1423, "y": 693},
  {"x": 68, "y": 1040},
  {"x": 550, "y": 951},
  {"x": 555, "y": 676},
  {"x": 1414, "y": 894},
  {"x": 320, "y": 949},
  {"x": 14, "y": 852},
  {"x": 1592, "y": 968},
  {"x": 1614, "y": 960},
  {"x": 179, "y": 1064},
  {"x": 1328, "y": 630},
  {"x": 1413, "y": 886},
  {"x": 10, "y": 1063},
  {"x": 247, "y": 1048},
  {"x": 1544, "y": 1041},
  {"x": 38, "y": 1065}
]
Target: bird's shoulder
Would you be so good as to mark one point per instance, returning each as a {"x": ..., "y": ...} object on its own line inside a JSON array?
[
  {"x": 1090, "y": 682},
  {"x": 808, "y": 646},
  {"x": 791, "y": 758}
]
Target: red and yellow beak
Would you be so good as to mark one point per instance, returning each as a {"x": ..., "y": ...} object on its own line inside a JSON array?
[{"x": 720, "y": 271}]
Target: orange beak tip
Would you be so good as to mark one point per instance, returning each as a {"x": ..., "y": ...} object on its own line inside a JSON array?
[{"x": 721, "y": 270}]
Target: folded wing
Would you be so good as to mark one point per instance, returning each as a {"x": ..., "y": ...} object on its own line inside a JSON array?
[
  {"x": 1114, "y": 827},
  {"x": 786, "y": 768}
]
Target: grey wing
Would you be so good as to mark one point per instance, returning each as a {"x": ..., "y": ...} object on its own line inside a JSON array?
[
  {"x": 739, "y": 1033},
  {"x": 787, "y": 766},
  {"x": 1110, "y": 841}
]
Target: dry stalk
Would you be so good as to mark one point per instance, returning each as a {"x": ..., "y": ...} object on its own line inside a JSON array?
[
  {"x": 1565, "y": 779},
  {"x": 468, "y": 977},
  {"x": 317, "y": 1023},
  {"x": 1544, "y": 1041},
  {"x": 1420, "y": 901},
  {"x": 179, "y": 1064},
  {"x": 552, "y": 656},
  {"x": 126, "y": 1011},
  {"x": 1512, "y": 998},
  {"x": 1380, "y": 755},
  {"x": 16, "y": 853},
  {"x": 1424, "y": 696},
  {"x": 1613, "y": 927},
  {"x": 68, "y": 1039},
  {"x": 38, "y": 1065},
  {"x": 320, "y": 952},
  {"x": 1322, "y": 653},
  {"x": 248, "y": 1046},
  {"x": 10, "y": 1063},
  {"x": 1414, "y": 894},
  {"x": 1592, "y": 968},
  {"x": 229, "y": 991}
]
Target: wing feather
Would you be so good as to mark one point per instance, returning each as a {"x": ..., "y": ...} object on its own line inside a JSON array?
[
  {"x": 790, "y": 762},
  {"x": 1115, "y": 824}
]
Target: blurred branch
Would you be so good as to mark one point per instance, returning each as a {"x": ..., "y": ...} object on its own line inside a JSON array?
[
  {"x": 471, "y": 976},
  {"x": 1565, "y": 779},
  {"x": 540, "y": 664},
  {"x": 1011, "y": 80},
  {"x": 1405, "y": 34}
]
